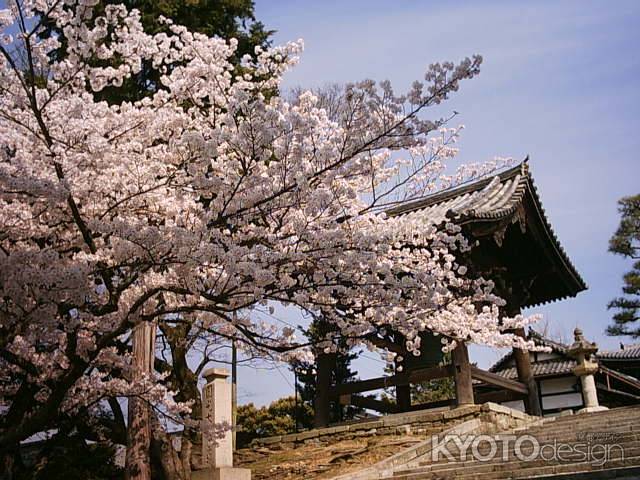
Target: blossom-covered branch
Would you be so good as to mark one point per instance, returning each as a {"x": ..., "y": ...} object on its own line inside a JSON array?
[{"x": 211, "y": 196}]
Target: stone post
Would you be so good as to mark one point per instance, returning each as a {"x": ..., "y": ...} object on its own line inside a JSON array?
[
  {"x": 217, "y": 453},
  {"x": 582, "y": 351}
]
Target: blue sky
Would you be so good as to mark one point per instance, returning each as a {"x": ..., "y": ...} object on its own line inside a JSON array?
[{"x": 560, "y": 82}]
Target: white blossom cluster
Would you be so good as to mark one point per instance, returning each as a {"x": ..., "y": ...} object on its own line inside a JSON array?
[{"x": 213, "y": 195}]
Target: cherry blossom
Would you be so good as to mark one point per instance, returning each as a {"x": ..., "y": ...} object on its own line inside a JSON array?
[{"x": 213, "y": 196}]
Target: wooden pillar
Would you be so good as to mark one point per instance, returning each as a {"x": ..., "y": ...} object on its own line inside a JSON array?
[
  {"x": 403, "y": 391},
  {"x": 462, "y": 374},
  {"x": 525, "y": 375},
  {"x": 403, "y": 397},
  {"x": 138, "y": 456},
  {"x": 323, "y": 384}
]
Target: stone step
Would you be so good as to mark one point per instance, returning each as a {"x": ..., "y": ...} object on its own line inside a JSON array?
[
  {"x": 615, "y": 427},
  {"x": 626, "y": 439},
  {"x": 579, "y": 421},
  {"x": 618, "y": 411},
  {"x": 596, "y": 436},
  {"x": 519, "y": 470},
  {"x": 571, "y": 435},
  {"x": 583, "y": 426},
  {"x": 615, "y": 436},
  {"x": 630, "y": 448},
  {"x": 581, "y": 432},
  {"x": 621, "y": 473}
]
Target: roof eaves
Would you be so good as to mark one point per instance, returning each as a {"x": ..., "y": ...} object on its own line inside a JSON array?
[{"x": 560, "y": 251}]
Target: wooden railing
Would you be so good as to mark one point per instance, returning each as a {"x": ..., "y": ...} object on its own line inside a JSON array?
[
  {"x": 498, "y": 380},
  {"x": 414, "y": 376},
  {"x": 346, "y": 392}
]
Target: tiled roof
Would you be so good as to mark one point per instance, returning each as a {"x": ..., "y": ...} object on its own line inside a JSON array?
[
  {"x": 629, "y": 352},
  {"x": 539, "y": 340},
  {"x": 542, "y": 369},
  {"x": 492, "y": 200},
  {"x": 562, "y": 365}
]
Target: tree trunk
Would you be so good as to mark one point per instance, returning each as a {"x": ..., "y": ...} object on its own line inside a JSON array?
[
  {"x": 138, "y": 458},
  {"x": 166, "y": 458},
  {"x": 10, "y": 462},
  {"x": 185, "y": 382}
]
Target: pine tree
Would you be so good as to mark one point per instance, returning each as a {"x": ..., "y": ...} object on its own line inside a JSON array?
[
  {"x": 276, "y": 419},
  {"x": 317, "y": 332},
  {"x": 626, "y": 242}
]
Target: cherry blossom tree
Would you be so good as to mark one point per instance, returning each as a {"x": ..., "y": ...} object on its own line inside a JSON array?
[{"x": 204, "y": 202}]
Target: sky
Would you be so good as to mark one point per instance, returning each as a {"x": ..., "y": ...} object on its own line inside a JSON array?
[{"x": 560, "y": 83}]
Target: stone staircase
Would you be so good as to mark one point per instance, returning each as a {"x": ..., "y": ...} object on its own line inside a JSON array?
[{"x": 598, "y": 445}]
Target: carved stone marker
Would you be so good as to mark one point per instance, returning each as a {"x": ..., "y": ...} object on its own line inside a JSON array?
[{"x": 217, "y": 453}]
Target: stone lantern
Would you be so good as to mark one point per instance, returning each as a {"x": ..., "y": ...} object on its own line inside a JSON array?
[{"x": 583, "y": 351}]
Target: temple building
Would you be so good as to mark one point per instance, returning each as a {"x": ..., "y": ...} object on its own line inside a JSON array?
[{"x": 518, "y": 250}]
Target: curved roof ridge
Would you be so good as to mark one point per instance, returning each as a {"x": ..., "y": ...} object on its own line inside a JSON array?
[
  {"x": 498, "y": 198},
  {"x": 546, "y": 341},
  {"x": 458, "y": 191},
  {"x": 500, "y": 201},
  {"x": 484, "y": 196}
]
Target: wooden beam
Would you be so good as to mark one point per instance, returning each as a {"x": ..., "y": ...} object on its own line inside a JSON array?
[
  {"x": 403, "y": 397},
  {"x": 430, "y": 373},
  {"x": 364, "y": 385},
  {"x": 499, "y": 396},
  {"x": 621, "y": 378},
  {"x": 462, "y": 374},
  {"x": 369, "y": 403},
  {"x": 617, "y": 392},
  {"x": 499, "y": 381},
  {"x": 437, "y": 404},
  {"x": 414, "y": 376}
]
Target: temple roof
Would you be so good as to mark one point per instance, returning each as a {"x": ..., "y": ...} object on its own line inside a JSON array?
[
  {"x": 489, "y": 198},
  {"x": 546, "y": 368},
  {"x": 627, "y": 352},
  {"x": 562, "y": 364},
  {"x": 540, "y": 341},
  {"x": 488, "y": 208}
]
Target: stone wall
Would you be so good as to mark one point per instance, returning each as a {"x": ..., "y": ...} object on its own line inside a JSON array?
[{"x": 422, "y": 423}]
